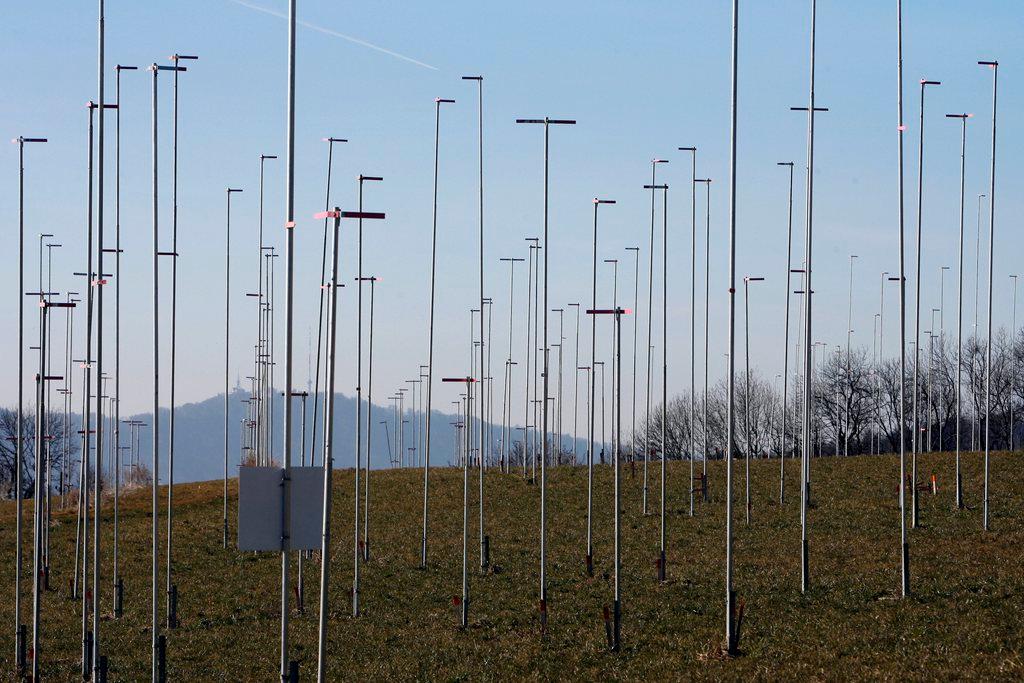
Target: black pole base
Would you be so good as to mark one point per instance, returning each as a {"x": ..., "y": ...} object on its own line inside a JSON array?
[
  {"x": 87, "y": 656},
  {"x": 293, "y": 671},
  {"x": 732, "y": 639},
  {"x": 21, "y": 638},
  {"x": 485, "y": 553},
  {"x": 161, "y": 659},
  {"x": 906, "y": 570},
  {"x": 366, "y": 550},
  {"x": 616, "y": 625},
  {"x": 805, "y": 575},
  {"x": 101, "y": 671},
  {"x": 46, "y": 577},
  {"x": 661, "y": 567},
  {"x": 543, "y": 607},
  {"x": 590, "y": 565},
  {"x": 119, "y": 598},
  {"x": 172, "y": 607}
]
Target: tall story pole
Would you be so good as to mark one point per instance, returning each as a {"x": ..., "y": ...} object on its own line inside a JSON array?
[
  {"x": 482, "y": 400},
  {"x": 785, "y": 334},
  {"x": 430, "y": 336},
  {"x": 328, "y": 459},
  {"x": 98, "y": 283},
  {"x": 900, "y": 129},
  {"x": 693, "y": 313},
  {"x": 707, "y": 328},
  {"x": 1013, "y": 345},
  {"x": 369, "y": 432},
  {"x": 320, "y": 309},
  {"x": 915, "y": 438},
  {"x": 118, "y": 586},
  {"x": 991, "y": 239},
  {"x": 593, "y": 402},
  {"x": 288, "y": 305},
  {"x": 636, "y": 331},
  {"x": 506, "y": 426},
  {"x": 650, "y": 319},
  {"x": 849, "y": 362},
  {"x": 808, "y": 292},
  {"x": 730, "y": 595},
  {"x": 19, "y": 631},
  {"x": 90, "y": 274},
  {"x": 172, "y": 589},
  {"x": 227, "y": 336},
  {"x": 576, "y": 375},
  {"x": 356, "y": 550}
]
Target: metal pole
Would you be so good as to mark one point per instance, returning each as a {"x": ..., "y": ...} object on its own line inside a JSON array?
[
  {"x": 991, "y": 238},
  {"x": 593, "y": 402},
  {"x": 915, "y": 443},
  {"x": 576, "y": 380},
  {"x": 172, "y": 589},
  {"x": 369, "y": 431},
  {"x": 650, "y": 319},
  {"x": 1013, "y": 345},
  {"x": 785, "y": 335},
  {"x": 289, "y": 277},
  {"x": 693, "y": 314},
  {"x": 155, "y": 510},
  {"x": 636, "y": 330},
  {"x": 90, "y": 274},
  {"x": 430, "y": 337},
  {"x": 115, "y": 570},
  {"x": 730, "y": 596},
  {"x": 19, "y": 643},
  {"x": 849, "y": 366},
  {"x": 328, "y": 462},
  {"x": 320, "y": 310},
  {"x": 97, "y": 503},
  {"x": 707, "y": 328},
  {"x": 904, "y": 541},
  {"x": 484, "y": 561},
  {"x": 227, "y": 334},
  {"x": 805, "y": 477}
]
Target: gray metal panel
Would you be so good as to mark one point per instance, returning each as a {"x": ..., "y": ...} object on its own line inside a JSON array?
[
  {"x": 307, "y": 508},
  {"x": 259, "y": 508}
]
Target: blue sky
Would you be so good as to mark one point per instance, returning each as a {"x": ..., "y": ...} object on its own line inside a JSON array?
[{"x": 642, "y": 79}]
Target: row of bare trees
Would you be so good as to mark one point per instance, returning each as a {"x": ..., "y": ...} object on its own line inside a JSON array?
[
  {"x": 61, "y": 455},
  {"x": 855, "y": 406}
]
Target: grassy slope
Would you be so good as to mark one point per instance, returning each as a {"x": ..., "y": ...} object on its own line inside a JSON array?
[{"x": 963, "y": 619}]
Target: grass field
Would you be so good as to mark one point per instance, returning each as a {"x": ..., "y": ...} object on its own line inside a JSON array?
[{"x": 963, "y": 620}]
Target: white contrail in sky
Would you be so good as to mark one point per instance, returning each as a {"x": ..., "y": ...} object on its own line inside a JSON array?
[{"x": 336, "y": 34}]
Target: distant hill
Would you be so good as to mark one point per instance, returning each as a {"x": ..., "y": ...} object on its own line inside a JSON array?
[{"x": 199, "y": 435}]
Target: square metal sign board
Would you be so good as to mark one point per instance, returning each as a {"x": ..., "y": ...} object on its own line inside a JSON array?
[{"x": 260, "y": 496}]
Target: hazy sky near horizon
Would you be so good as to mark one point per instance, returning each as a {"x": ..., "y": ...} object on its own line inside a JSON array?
[{"x": 641, "y": 78}]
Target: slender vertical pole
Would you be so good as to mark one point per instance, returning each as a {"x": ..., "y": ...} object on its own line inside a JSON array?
[
  {"x": 227, "y": 335},
  {"x": 576, "y": 379},
  {"x": 1013, "y": 346},
  {"x": 746, "y": 393},
  {"x": 97, "y": 503},
  {"x": 730, "y": 596},
  {"x": 328, "y": 463},
  {"x": 806, "y": 477},
  {"x": 19, "y": 642},
  {"x": 155, "y": 511},
  {"x": 618, "y": 485},
  {"x": 664, "y": 369},
  {"x": 693, "y": 317},
  {"x": 86, "y": 412},
  {"x": 650, "y": 320},
  {"x": 356, "y": 551},
  {"x": 288, "y": 294},
  {"x": 369, "y": 431},
  {"x": 320, "y": 310},
  {"x": 785, "y": 337},
  {"x": 991, "y": 239},
  {"x": 904, "y": 542},
  {"x": 849, "y": 365},
  {"x": 915, "y": 438},
  {"x": 430, "y": 335}
]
